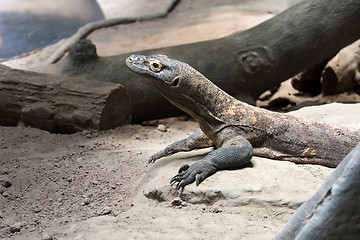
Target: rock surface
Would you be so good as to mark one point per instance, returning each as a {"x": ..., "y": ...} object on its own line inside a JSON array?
[{"x": 266, "y": 183}]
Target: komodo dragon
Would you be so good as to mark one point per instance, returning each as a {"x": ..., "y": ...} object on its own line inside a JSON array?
[{"x": 236, "y": 130}]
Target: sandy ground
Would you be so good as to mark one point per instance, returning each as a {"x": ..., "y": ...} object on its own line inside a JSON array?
[{"x": 98, "y": 185}]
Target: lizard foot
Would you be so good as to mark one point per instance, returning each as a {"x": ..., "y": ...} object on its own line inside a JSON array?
[
  {"x": 156, "y": 156},
  {"x": 194, "y": 173}
]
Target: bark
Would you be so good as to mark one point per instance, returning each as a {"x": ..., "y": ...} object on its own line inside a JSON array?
[
  {"x": 244, "y": 64},
  {"x": 60, "y": 104},
  {"x": 334, "y": 210}
]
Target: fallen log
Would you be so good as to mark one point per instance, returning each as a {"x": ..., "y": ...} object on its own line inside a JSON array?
[
  {"x": 244, "y": 64},
  {"x": 60, "y": 104}
]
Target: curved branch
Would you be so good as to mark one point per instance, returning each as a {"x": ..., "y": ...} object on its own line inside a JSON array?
[{"x": 85, "y": 30}]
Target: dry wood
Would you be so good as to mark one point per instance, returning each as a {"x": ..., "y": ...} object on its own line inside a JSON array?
[{"x": 60, "y": 104}]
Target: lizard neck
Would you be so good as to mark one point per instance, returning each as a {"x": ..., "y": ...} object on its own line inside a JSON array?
[{"x": 210, "y": 106}]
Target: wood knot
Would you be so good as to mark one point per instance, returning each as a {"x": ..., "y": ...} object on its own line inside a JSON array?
[{"x": 255, "y": 60}]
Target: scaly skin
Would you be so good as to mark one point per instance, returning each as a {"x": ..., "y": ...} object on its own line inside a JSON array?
[{"x": 236, "y": 129}]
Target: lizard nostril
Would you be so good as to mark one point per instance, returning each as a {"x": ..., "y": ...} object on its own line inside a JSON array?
[
  {"x": 175, "y": 82},
  {"x": 130, "y": 59}
]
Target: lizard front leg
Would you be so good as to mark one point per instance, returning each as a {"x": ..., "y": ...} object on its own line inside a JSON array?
[
  {"x": 232, "y": 154},
  {"x": 195, "y": 141}
]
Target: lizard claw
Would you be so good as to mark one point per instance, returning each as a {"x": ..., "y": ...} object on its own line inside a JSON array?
[
  {"x": 183, "y": 168},
  {"x": 173, "y": 180},
  {"x": 198, "y": 179},
  {"x": 152, "y": 159}
]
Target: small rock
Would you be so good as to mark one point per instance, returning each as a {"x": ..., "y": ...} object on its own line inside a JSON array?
[
  {"x": 85, "y": 202},
  {"x": 162, "y": 128},
  {"x": 4, "y": 181},
  {"x": 176, "y": 202},
  {"x": 16, "y": 227},
  {"x": 95, "y": 134},
  {"x": 216, "y": 210},
  {"x": 6, "y": 194},
  {"x": 47, "y": 237},
  {"x": 105, "y": 211},
  {"x": 2, "y": 189},
  {"x": 89, "y": 195}
]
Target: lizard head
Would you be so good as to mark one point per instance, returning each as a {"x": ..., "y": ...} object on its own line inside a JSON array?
[
  {"x": 174, "y": 79},
  {"x": 182, "y": 85},
  {"x": 158, "y": 70}
]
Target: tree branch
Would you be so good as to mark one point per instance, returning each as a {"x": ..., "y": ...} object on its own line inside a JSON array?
[{"x": 84, "y": 31}]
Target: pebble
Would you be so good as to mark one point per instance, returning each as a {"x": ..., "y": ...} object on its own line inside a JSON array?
[
  {"x": 47, "y": 237},
  {"x": 178, "y": 202},
  {"x": 105, "y": 211},
  {"x": 4, "y": 181},
  {"x": 85, "y": 202},
  {"x": 162, "y": 128},
  {"x": 216, "y": 210},
  {"x": 16, "y": 227}
]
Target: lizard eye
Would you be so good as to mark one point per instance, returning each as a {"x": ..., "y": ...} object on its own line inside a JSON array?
[{"x": 155, "y": 65}]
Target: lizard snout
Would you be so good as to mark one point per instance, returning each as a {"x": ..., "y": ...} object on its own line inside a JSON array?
[
  {"x": 130, "y": 59},
  {"x": 134, "y": 59}
]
